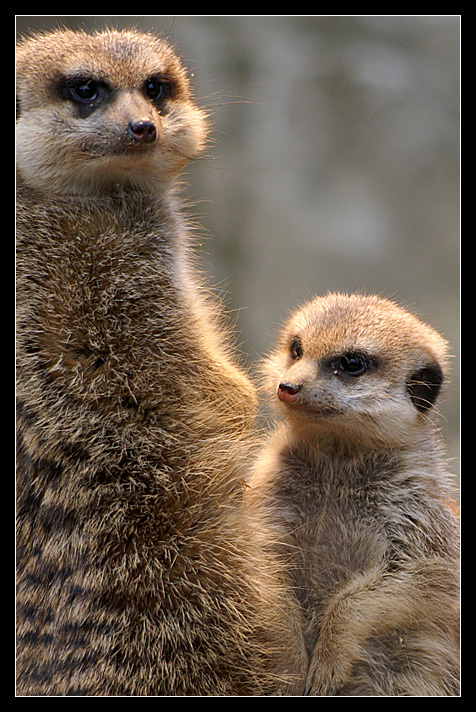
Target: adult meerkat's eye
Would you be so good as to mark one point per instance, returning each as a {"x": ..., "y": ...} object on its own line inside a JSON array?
[
  {"x": 157, "y": 89},
  {"x": 296, "y": 349},
  {"x": 84, "y": 91}
]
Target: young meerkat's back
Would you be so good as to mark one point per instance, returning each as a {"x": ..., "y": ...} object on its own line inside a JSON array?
[
  {"x": 355, "y": 483},
  {"x": 138, "y": 572}
]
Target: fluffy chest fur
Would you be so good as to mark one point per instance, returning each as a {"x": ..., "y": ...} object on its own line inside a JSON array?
[
  {"x": 129, "y": 462},
  {"x": 343, "y": 515}
]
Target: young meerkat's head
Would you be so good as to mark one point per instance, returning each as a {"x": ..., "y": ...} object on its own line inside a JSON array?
[
  {"x": 358, "y": 368},
  {"x": 95, "y": 110}
]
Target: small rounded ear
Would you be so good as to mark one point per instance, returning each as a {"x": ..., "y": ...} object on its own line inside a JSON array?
[{"x": 424, "y": 386}]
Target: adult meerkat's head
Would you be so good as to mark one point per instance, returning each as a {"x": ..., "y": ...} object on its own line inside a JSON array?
[
  {"x": 102, "y": 109},
  {"x": 359, "y": 367}
]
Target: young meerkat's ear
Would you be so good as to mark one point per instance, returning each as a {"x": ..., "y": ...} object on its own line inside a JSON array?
[{"x": 424, "y": 386}]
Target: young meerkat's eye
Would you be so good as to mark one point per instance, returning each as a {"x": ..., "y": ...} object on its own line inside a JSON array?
[
  {"x": 352, "y": 365},
  {"x": 296, "y": 349}
]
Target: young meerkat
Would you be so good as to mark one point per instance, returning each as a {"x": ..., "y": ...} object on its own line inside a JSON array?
[
  {"x": 355, "y": 484},
  {"x": 138, "y": 573}
]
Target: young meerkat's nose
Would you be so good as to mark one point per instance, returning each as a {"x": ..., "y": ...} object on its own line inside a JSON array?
[{"x": 289, "y": 392}]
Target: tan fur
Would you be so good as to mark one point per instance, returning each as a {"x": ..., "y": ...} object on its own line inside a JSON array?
[
  {"x": 355, "y": 485},
  {"x": 138, "y": 572}
]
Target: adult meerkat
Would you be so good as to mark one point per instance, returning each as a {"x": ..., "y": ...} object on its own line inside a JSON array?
[
  {"x": 138, "y": 574},
  {"x": 357, "y": 489}
]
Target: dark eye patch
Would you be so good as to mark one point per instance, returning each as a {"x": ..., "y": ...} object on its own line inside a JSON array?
[{"x": 85, "y": 92}]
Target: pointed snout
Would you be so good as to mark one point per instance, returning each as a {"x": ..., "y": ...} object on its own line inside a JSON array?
[
  {"x": 142, "y": 130},
  {"x": 289, "y": 392},
  {"x": 133, "y": 114}
]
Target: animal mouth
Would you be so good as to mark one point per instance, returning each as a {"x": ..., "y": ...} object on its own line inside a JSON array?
[
  {"x": 319, "y": 411},
  {"x": 290, "y": 394},
  {"x": 121, "y": 150},
  {"x": 127, "y": 148}
]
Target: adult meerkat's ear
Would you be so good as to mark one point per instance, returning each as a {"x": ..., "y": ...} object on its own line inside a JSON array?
[{"x": 424, "y": 386}]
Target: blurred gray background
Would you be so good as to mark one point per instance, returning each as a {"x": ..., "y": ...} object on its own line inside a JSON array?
[{"x": 334, "y": 162}]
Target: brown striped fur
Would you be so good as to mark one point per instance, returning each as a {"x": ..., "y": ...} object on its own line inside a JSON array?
[{"x": 138, "y": 573}]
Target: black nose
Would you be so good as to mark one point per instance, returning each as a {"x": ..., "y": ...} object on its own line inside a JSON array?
[{"x": 142, "y": 131}]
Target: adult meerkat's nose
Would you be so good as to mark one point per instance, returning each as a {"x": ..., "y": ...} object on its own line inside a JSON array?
[{"x": 142, "y": 131}]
